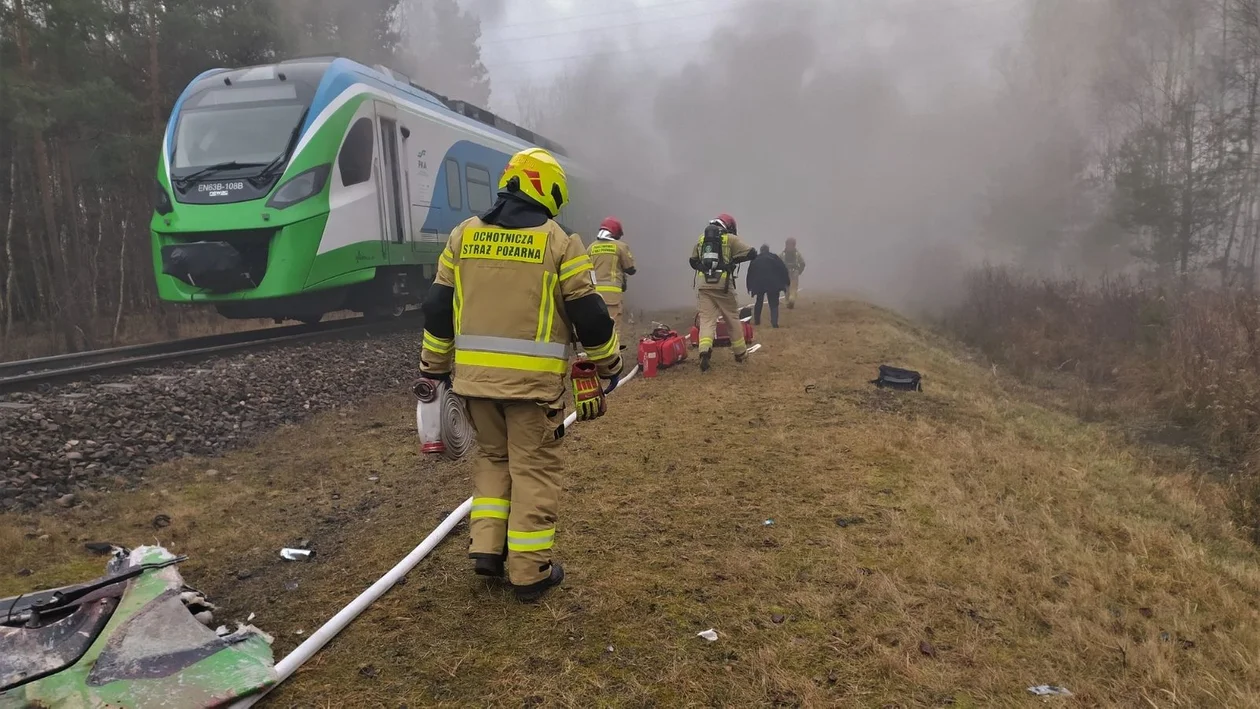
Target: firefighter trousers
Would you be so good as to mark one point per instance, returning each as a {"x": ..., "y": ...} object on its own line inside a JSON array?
[
  {"x": 794, "y": 284},
  {"x": 516, "y": 485},
  {"x": 614, "y": 312},
  {"x": 713, "y": 303}
]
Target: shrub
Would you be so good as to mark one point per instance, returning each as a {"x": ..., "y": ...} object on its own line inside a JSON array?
[{"x": 1189, "y": 358}]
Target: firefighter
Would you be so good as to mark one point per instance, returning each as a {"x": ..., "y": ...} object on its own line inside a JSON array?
[
  {"x": 613, "y": 264},
  {"x": 511, "y": 289},
  {"x": 796, "y": 266},
  {"x": 716, "y": 258}
]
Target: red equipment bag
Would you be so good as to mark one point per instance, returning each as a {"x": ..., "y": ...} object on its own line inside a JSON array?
[
  {"x": 667, "y": 345},
  {"x": 673, "y": 349},
  {"x": 723, "y": 336}
]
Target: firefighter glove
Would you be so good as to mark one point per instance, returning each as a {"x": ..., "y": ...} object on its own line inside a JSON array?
[{"x": 588, "y": 395}]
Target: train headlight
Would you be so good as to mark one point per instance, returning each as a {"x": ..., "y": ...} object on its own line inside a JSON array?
[
  {"x": 161, "y": 200},
  {"x": 303, "y": 186}
]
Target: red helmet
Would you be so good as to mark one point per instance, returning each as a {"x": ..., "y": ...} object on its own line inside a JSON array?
[
  {"x": 726, "y": 221},
  {"x": 613, "y": 226}
]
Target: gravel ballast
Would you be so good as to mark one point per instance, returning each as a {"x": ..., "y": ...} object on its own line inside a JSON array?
[{"x": 104, "y": 434}]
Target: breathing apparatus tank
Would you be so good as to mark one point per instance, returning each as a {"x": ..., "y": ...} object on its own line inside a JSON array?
[{"x": 711, "y": 262}]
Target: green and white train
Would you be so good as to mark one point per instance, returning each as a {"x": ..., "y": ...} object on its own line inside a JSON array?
[{"x": 295, "y": 189}]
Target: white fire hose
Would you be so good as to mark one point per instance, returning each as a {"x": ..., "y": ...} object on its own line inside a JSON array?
[
  {"x": 318, "y": 639},
  {"x": 450, "y": 432}
]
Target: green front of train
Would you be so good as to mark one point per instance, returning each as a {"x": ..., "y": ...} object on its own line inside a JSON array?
[{"x": 242, "y": 200}]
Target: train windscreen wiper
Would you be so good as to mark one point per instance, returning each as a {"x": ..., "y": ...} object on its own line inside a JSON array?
[
  {"x": 69, "y": 596},
  {"x": 265, "y": 174},
  {"x": 186, "y": 180}
]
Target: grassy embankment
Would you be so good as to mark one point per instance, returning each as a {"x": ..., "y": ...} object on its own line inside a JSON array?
[
  {"x": 1165, "y": 363},
  {"x": 945, "y": 548}
]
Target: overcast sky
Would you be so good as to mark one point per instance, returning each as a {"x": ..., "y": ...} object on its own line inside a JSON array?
[
  {"x": 527, "y": 42},
  {"x": 530, "y": 42}
]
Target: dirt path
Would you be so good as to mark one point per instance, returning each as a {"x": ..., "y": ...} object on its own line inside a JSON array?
[{"x": 949, "y": 548}]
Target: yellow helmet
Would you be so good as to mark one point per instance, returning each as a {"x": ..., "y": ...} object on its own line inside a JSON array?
[{"x": 538, "y": 176}]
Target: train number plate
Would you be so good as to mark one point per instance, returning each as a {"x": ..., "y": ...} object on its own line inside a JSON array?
[{"x": 220, "y": 189}]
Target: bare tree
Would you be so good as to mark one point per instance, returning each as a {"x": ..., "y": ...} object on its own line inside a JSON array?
[{"x": 6, "y": 306}]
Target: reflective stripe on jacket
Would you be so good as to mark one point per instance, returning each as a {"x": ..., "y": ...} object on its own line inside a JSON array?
[{"x": 511, "y": 332}]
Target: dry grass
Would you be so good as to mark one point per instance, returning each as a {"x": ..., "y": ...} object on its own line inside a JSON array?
[
  {"x": 1002, "y": 545},
  {"x": 1178, "y": 365}
]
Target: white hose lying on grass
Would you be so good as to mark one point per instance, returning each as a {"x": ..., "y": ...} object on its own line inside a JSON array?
[{"x": 318, "y": 639}]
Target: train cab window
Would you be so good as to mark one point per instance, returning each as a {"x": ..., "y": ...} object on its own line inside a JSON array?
[
  {"x": 355, "y": 160},
  {"x": 454, "y": 193},
  {"x": 480, "y": 198}
]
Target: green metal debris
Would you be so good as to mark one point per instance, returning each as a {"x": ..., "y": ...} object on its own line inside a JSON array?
[{"x": 128, "y": 640}]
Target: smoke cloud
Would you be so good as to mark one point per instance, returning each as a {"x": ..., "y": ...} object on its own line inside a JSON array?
[{"x": 867, "y": 133}]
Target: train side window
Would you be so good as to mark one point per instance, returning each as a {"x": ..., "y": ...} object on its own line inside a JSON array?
[
  {"x": 480, "y": 198},
  {"x": 454, "y": 193},
  {"x": 355, "y": 160}
]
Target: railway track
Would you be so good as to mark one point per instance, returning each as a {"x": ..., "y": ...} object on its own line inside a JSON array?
[{"x": 31, "y": 373}]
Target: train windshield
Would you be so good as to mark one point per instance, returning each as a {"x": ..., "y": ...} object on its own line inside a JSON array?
[{"x": 246, "y": 125}]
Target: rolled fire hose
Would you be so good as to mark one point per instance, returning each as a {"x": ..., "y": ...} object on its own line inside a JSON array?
[
  {"x": 318, "y": 639},
  {"x": 441, "y": 420}
]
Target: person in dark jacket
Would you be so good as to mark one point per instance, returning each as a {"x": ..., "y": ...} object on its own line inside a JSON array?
[{"x": 768, "y": 276}]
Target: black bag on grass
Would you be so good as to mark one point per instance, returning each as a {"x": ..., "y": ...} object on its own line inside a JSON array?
[{"x": 898, "y": 378}]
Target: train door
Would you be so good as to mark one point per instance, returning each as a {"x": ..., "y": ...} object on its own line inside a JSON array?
[{"x": 393, "y": 198}]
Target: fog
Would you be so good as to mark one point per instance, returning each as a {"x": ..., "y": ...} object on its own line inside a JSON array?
[
  {"x": 866, "y": 130},
  {"x": 901, "y": 142}
]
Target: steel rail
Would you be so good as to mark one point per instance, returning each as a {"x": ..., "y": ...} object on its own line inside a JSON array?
[{"x": 26, "y": 374}]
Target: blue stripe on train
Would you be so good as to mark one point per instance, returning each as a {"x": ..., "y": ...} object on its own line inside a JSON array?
[
  {"x": 343, "y": 73},
  {"x": 179, "y": 103},
  {"x": 442, "y": 218}
]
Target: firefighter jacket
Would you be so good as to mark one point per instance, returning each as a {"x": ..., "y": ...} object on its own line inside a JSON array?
[
  {"x": 612, "y": 261},
  {"x": 734, "y": 252},
  {"x": 794, "y": 261},
  {"x": 511, "y": 331}
]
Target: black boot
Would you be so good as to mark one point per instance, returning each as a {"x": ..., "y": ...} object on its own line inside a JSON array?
[
  {"x": 704, "y": 360},
  {"x": 534, "y": 591},
  {"x": 489, "y": 564}
]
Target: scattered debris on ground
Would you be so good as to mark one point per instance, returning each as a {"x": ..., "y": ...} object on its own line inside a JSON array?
[
  {"x": 1049, "y": 690},
  {"x": 137, "y": 636}
]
